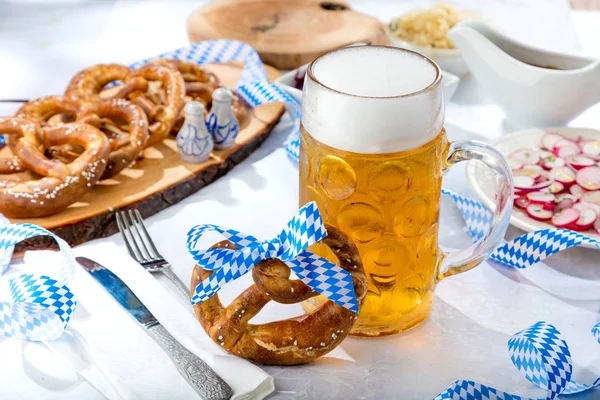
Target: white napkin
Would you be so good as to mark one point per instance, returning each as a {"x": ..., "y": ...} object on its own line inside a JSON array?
[{"x": 134, "y": 364}]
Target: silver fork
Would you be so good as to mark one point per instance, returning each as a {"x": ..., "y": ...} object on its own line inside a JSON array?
[{"x": 142, "y": 248}]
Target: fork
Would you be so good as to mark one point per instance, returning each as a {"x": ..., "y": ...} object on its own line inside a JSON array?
[{"x": 142, "y": 248}]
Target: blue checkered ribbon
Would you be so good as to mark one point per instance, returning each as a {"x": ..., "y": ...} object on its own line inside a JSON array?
[
  {"x": 523, "y": 251},
  {"x": 541, "y": 354},
  {"x": 303, "y": 230},
  {"x": 538, "y": 351},
  {"x": 40, "y": 307},
  {"x": 253, "y": 86}
]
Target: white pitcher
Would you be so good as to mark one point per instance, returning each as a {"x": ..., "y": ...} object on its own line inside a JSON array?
[{"x": 534, "y": 87}]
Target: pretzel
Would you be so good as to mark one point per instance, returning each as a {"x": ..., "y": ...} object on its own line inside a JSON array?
[
  {"x": 126, "y": 144},
  {"x": 162, "y": 101},
  {"x": 44, "y": 108},
  {"x": 60, "y": 184},
  {"x": 88, "y": 84},
  {"x": 292, "y": 341},
  {"x": 200, "y": 85},
  {"x": 15, "y": 129}
]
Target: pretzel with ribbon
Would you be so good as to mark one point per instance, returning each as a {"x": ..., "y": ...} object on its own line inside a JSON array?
[
  {"x": 61, "y": 184},
  {"x": 162, "y": 101},
  {"x": 295, "y": 340}
]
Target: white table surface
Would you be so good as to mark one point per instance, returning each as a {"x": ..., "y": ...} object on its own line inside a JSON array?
[{"x": 475, "y": 313}]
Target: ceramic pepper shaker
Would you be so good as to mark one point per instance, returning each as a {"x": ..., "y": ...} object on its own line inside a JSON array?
[
  {"x": 194, "y": 142},
  {"x": 222, "y": 124}
]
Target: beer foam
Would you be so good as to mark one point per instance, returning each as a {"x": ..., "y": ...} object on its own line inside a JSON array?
[{"x": 372, "y": 99}]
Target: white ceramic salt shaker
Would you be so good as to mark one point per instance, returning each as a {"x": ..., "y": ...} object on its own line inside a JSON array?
[
  {"x": 194, "y": 142},
  {"x": 222, "y": 124}
]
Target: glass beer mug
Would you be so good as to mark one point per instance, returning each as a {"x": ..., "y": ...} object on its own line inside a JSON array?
[{"x": 372, "y": 154}]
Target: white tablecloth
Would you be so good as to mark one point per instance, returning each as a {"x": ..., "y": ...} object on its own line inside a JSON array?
[{"x": 465, "y": 336}]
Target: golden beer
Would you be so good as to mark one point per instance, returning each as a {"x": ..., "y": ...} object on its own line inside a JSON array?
[
  {"x": 389, "y": 205},
  {"x": 372, "y": 154}
]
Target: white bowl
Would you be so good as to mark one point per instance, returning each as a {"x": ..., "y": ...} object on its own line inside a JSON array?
[
  {"x": 448, "y": 59},
  {"x": 292, "y": 82}
]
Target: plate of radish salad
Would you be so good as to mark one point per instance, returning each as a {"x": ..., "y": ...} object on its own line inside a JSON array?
[{"x": 556, "y": 173}]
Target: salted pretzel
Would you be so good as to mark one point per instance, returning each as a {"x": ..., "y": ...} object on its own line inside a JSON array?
[
  {"x": 88, "y": 85},
  {"x": 162, "y": 101},
  {"x": 292, "y": 341},
  {"x": 16, "y": 128},
  {"x": 200, "y": 85},
  {"x": 50, "y": 110},
  {"x": 60, "y": 185},
  {"x": 127, "y": 140}
]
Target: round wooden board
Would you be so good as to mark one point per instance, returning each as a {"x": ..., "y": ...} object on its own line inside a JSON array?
[
  {"x": 154, "y": 183},
  {"x": 286, "y": 33}
]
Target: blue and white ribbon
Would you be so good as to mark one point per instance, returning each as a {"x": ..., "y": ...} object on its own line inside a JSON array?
[
  {"x": 253, "y": 85},
  {"x": 541, "y": 354},
  {"x": 303, "y": 230},
  {"x": 40, "y": 307},
  {"x": 523, "y": 251},
  {"x": 538, "y": 352}
]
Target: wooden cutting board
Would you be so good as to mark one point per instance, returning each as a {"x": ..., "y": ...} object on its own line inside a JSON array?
[
  {"x": 286, "y": 33},
  {"x": 157, "y": 181}
]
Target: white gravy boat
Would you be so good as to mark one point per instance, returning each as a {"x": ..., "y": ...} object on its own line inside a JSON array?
[{"x": 534, "y": 87}]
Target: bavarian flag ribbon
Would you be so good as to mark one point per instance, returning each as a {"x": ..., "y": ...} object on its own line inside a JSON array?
[
  {"x": 303, "y": 230},
  {"x": 40, "y": 306},
  {"x": 542, "y": 355}
]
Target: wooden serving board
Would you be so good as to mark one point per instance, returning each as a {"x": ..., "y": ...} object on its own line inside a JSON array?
[
  {"x": 286, "y": 33},
  {"x": 157, "y": 181}
]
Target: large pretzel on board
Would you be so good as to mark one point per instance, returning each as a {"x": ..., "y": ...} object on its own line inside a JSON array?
[
  {"x": 88, "y": 84},
  {"x": 16, "y": 128},
  {"x": 61, "y": 184},
  {"x": 43, "y": 109},
  {"x": 162, "y": 101},
  {"x": 126, "y": 142},
  {"x": 200, "y": 85},
  {"x": 292, "y": 341}
]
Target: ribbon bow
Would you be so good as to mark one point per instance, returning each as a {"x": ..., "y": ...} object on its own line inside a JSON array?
[{"x": 303, "y": 230}]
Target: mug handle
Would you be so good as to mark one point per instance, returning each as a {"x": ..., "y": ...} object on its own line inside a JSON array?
[{"x": 463, "y": 260}]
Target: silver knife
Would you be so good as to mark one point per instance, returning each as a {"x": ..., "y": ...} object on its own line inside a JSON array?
[{"x": 200, "y": 376}]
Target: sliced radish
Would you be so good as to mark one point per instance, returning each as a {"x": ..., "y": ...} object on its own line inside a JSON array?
[
  {"x": 567, "y": 149},
  {"x": 586, "y": 219},
  {"x": 526, "y": 156},
  {"x": 548, "y": 139},
  {"x": 553, "y": 162},
  {"x": 522, "y": 202},
  {"x": 591, "y": 148},
  {"x": 514, "y": 164},
  {"x": 527, "y": 172},
  {"x": 564, "y": 175},
  {"x": 541, "y": 198},
  {"x": 565, "y": 217},
  {"x": 554, "y": 188},
  {"x": 566, "y": 196},
  {"x": 523, "y": 182},
  {"x": 577, "y": 190},
  {"x": 583, "y": 205},
  {"x": 589, "y": 178},
  {"x": 591, "y": 197},
  {"x": 563, "y": 205},
  {"x": 579, "y": 162},
  {"x": 545, "y": 153},
  {"x": 537, "y": 212},
  {"x": 597, "y": 226}
]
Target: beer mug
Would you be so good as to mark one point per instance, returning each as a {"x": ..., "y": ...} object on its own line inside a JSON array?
[{"x": 372, "y": 154}]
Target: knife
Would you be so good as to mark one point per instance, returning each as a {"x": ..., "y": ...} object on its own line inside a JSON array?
[{"x": 200, "y": 376}]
